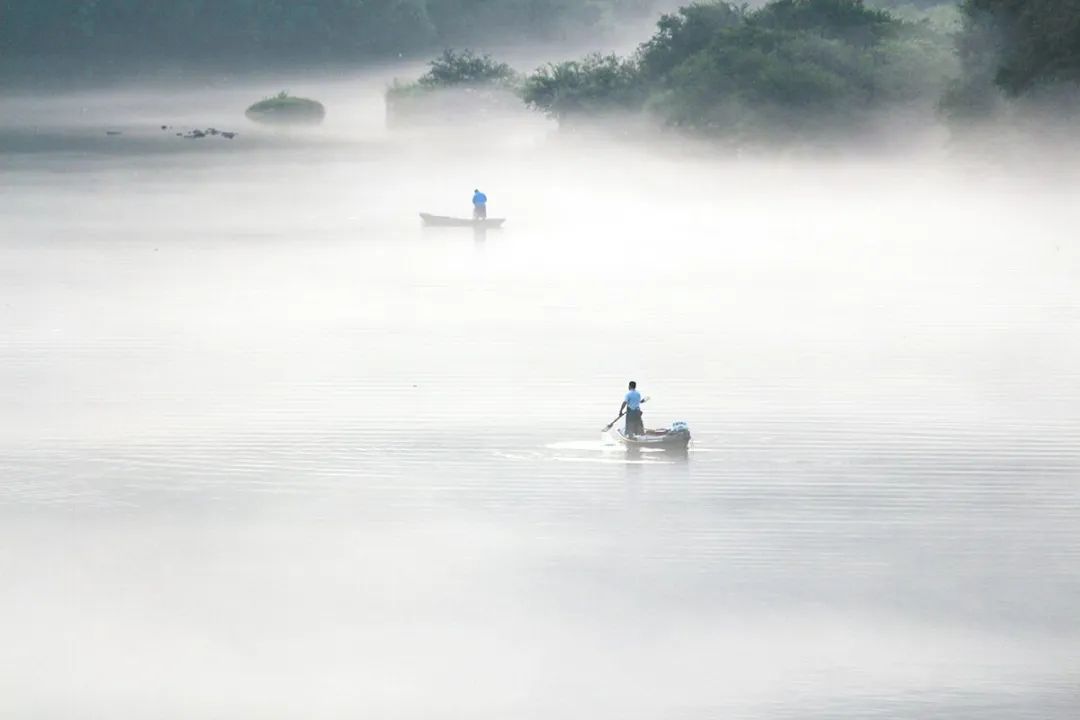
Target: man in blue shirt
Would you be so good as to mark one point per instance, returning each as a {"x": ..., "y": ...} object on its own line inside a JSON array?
[
  {"x": 479, "y": 205},
  {"x": 632, "y": 405}
]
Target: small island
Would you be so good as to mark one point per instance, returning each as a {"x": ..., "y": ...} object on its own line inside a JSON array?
[{"x": 284, "y": 109}]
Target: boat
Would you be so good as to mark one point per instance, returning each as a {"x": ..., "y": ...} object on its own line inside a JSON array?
[
  {"x": 676, "y": 437},
  {"x": 444, "y": 221}
]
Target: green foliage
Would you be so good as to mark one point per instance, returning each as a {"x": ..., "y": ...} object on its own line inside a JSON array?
[
  {"x": 942, "y": 14},
  {"x": 286, "y": 29},
  {"x": 466, "y": 68},
  {"x": 596, "y": 84},
  {"x": 689, "y": 31},
  {"x": 457, "y": 69},
  {"x": 1033, "y": 42},
  {"x": 466, "y": 22},
  {"x": 488, "y": 85},
  {"x": 926, "y": 5},
  {"x": 197, "y": 28},
  {"x": 975, "y": 92},
  {"x": 284, "y": 108},
  {"x": 796, "y": 66},
  {"x": 847, "y": 20}
]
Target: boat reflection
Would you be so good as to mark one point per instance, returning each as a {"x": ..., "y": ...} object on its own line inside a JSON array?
[{"x": 658, "y": 454}]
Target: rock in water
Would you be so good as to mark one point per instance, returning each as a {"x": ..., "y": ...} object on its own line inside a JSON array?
[{"x": 197, "y": 134}]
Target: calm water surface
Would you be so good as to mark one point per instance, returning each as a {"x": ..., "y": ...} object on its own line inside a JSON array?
[{"x": 269, "y": 449}]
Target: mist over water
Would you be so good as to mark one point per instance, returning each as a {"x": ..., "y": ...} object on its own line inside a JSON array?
[{"x": 271, "y": 449}]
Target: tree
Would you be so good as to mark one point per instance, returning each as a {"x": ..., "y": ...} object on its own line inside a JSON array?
[
  {"x": 464, "y": 67},
  {"x": 103, "y": 31},
  {"x": 1038, "y": 41},
  {"x": 594, "y": 85},
  {"x": 792, "y": 66}
]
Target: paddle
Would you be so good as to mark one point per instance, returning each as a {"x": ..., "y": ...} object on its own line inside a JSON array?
[{"x": 612, "y": 423}]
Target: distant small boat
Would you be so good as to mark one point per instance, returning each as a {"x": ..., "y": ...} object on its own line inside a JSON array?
[
  {"x": 677, "y": 437},
  {"x": 443, "y": 221}
]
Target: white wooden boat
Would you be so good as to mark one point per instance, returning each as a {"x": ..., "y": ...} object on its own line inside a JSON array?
[
  {"x": 676, "y": 437},
  {"x": 444, "y": 221}
]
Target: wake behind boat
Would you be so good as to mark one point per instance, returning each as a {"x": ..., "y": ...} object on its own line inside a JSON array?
[{"x": 445, "y": 221}]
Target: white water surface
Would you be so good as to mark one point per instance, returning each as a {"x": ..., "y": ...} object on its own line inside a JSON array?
[{"x": 269, "y": 449}]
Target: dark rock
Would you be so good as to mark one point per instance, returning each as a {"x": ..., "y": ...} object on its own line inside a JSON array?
[
  {"x": 113, "y": 132},
  {"x": 198, "y": 134}
]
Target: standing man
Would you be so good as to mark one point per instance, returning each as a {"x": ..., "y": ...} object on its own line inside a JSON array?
[
  {"x": 632, "y": 405},
  {"x": 479, "y": 205}
]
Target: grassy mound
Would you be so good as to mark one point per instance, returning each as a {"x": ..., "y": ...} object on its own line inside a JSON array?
[{"x": 286, "y": 109}]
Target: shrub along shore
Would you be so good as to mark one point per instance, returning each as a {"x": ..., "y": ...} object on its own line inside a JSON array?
[{"x": 797, "y": 68}]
